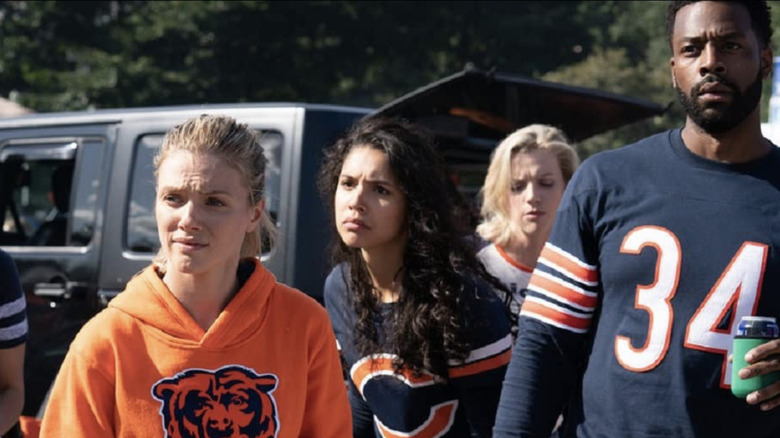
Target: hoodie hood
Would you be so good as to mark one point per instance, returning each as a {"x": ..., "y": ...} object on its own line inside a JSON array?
[{"x": 148, "y": 300}]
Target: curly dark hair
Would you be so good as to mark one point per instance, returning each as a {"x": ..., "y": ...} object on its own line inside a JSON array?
[
  {"x": 427, "y": 320},
  {"x": 760, "y": 18}
]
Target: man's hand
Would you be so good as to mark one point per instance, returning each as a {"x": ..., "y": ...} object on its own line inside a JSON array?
[{"x": 763, "y": 359}]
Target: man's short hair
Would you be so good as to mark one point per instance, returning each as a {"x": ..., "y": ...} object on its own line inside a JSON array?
[{"x": 760, "y": 19}]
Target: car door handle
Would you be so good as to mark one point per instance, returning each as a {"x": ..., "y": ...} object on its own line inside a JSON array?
[{"x": 61, "y": 291}]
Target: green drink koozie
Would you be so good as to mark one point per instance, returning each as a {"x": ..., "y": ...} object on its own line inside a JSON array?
[{"x": 742, "y": 387}]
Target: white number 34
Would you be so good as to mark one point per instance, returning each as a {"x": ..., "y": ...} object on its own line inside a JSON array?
[{"x": 737, "y": 289}]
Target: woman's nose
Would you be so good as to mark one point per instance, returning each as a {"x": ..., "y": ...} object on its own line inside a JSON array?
[
  {"x": 532, "y": 193},
  {"x": 190, "y": 216},
  {"x": 357, "y": 201}
]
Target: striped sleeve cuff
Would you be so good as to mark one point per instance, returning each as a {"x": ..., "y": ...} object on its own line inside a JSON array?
[
  {"x": 562, "y": 291},
  {"x": 486, "y": 358}
]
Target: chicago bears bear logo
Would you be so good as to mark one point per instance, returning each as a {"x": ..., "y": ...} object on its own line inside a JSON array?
[{"x": 230, "y": 402}]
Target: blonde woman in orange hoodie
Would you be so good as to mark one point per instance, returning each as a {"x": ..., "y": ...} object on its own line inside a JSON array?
[{"x": 204, "y": 342}]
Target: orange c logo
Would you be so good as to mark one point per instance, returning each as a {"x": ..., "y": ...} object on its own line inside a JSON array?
[{"x": 441, "y": 416}]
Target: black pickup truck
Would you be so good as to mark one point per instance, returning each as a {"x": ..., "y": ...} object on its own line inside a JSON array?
[{"x": 77, "y": 189}]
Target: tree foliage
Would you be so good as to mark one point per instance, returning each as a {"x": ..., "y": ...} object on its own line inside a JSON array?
[
  {"x": 57, "y": 55},
  {"x": 631, "y": 57},
  {"x": 72, "y": 55}
]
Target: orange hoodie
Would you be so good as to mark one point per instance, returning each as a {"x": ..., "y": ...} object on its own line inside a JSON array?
[{"x": 267, "y": 368}]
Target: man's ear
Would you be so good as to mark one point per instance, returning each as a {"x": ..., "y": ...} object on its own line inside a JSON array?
[
  {"x": 766, "y": 62},
  {"x": 671, "y": 70}
]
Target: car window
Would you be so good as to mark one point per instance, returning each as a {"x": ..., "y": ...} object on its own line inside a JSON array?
[
  {"x": 141, "y": 229},
  {"x": 37, "y": 201}
]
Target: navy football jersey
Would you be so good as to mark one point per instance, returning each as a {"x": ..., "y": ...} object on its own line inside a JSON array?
[
  {"x": 386, "y": 404},
  {"x": 655, "y": 256},
  {"x": 13, "y": 314}
]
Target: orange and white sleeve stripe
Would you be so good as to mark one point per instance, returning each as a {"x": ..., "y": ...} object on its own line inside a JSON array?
[
  {"x": 561, "y": 291},
  {"x": 486, "y": 358}
]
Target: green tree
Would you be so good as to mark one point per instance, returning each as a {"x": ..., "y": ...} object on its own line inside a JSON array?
[
  {"x": 73, "y": 55},
  {"x": 57, "y": 55},
  {"x": 630, "y": 57}
]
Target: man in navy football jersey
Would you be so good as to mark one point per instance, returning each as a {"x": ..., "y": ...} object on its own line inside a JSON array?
[{"x": 658, "y": 250}]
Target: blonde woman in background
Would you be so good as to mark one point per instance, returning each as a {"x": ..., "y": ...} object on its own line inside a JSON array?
[{"x": 525, "y": 181}]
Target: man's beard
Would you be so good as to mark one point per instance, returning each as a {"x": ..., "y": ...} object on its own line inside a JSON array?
[{"x": 716, "y": 118}]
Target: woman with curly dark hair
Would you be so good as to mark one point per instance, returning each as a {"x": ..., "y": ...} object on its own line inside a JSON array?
[{"x": 423, "y": 335}]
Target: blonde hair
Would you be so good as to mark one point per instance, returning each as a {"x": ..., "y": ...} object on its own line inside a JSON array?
[
  {"x": 496, "y": 226},
  {"x": 239, "y": 146}
]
